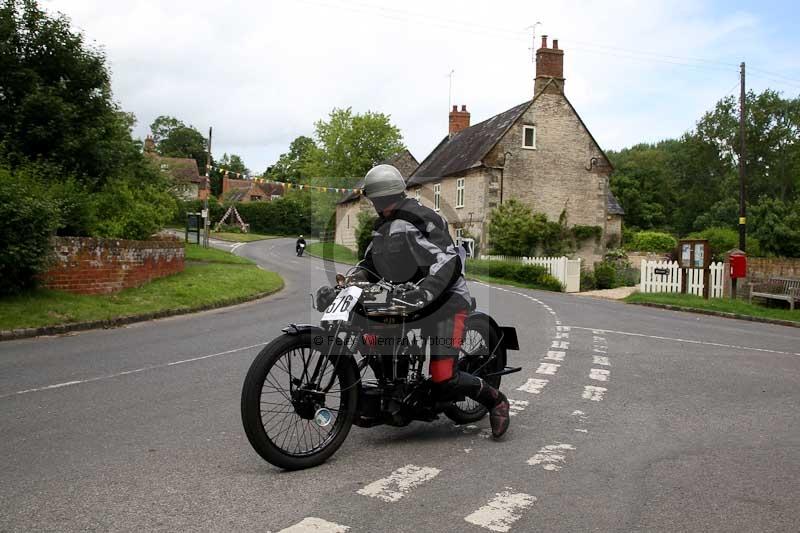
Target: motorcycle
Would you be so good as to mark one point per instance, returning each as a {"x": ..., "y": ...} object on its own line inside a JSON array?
[
  {"x": 363, "y": 366},
  {"x": 300, "y": 249}
]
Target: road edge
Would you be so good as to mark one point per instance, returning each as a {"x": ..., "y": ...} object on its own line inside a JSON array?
[
  {"x": 109, "y": 323},
  {"x": 721, "y": 314}
]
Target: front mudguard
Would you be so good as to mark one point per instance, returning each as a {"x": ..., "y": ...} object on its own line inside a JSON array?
[
  {"x": 506, "y": 334},
  {"x": 319, "y": 337}
]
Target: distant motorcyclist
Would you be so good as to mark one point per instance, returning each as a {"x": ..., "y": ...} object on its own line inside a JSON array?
[
  {"x": 410, "y": 243},
  {"x": 300, "y": 245}
]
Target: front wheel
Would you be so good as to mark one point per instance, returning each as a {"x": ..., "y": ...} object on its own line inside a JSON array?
[
  {"x": 480, "y": 339},
  {"x": 298, "y": 403}
]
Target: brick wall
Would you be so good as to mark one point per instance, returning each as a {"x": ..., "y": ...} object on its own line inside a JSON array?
[{"x": 94, "y": 266}]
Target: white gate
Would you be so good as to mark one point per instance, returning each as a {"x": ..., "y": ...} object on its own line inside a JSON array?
[{"x": 667, "y": 276}]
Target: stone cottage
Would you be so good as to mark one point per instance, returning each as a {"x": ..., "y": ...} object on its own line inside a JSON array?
[
  {"x": 539, "y": 152},
  {"x": 350, "y": 206}
]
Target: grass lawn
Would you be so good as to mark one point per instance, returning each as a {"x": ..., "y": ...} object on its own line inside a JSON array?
[
  {"x": 723, "y": 305},
  {"x": 221, "y": 278},
  {"x": 240, "y": 237},
  {"x": 503, "y": 281},
  {"x": 335, "y": 252}
]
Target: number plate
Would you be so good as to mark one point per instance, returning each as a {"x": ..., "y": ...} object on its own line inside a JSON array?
[{"x": 343, "y": 305}]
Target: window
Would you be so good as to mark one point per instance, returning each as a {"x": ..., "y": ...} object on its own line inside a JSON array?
[
  {"x": 348, "y": 221},
  {"x": 437, "y": 191},
  {"x": 459, "y": 235},
  {"x": 460, "y": 192},
  {"x": 529, "y": 137}
]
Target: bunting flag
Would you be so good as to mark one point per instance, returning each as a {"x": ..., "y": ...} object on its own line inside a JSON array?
[{"x": 286, "y": 184}]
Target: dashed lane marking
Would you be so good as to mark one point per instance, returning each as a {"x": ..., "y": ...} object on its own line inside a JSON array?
[
  {"x": 564, "y": 345},
  {"x": 551, "y": 457},
  {"x": 555, "y": 355},
  {"x": 689, "y": 341},
  {"x": 590, "y": 392},
  {"x": 517, "y": 406},
  {"x": 533, "y": 385},
  {"x": 399, "y": 483},
  {"x": 562, "y": 328},
  {"x": 562, "y": 335},
  {"x": 600, "y": 360},
  {"x": 315, "y": 525},
  {"x": 599, "y": 374},
  {"x": 135, "y": 371},
  {"x": 501, "y": 511},
  {"x": 547, "y": 368}
]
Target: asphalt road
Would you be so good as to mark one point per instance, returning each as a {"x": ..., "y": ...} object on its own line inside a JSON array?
[{"x": 627, "y": 419}]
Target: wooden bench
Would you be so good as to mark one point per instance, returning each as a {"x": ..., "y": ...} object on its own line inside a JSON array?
[{"x": 785, "y": 289}]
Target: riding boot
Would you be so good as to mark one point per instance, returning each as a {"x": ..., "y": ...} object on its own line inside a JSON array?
[{"x": 498, "y": 406}]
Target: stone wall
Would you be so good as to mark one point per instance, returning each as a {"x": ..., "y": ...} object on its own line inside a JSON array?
[
  {"x": 760, "y": 268},
  {"x": 94, "y": 266},
  {"x": 347, "y": 221}
]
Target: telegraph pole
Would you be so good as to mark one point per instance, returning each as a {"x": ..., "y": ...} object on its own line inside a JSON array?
[
  {"x": 742, "y": 152},
  {"x": 206, "y": 221}
]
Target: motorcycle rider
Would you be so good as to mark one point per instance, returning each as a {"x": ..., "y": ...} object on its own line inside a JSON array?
[
  {"x": 410, "y": 243},
  {"x": 300, "y": 240}
]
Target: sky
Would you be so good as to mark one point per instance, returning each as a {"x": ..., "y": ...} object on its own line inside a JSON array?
[{"x": 261, "y": 73}]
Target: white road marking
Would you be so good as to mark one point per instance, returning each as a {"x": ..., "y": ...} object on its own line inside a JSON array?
[
  {"x": 534, "y": 386},
  {"x": 517, "y": 406},
  {"x": 598, "y": 340},
  {"x": 599, "y": 349},
  {"x": 562, "y": 335},
  {"x": 315, "y": 525},
  {"x": 551, "y": 457},
  {"x": 564, "y": 345},
  {"x": 501, "y": 511},
  {"x": 547, "y": 368},
  {"x": 599, "y": 374},
  {"x": 562, "y": 328},
  {"x": 582, "y": 430},
  {"x": 555, "y": 356},
  {"x": 237, "y": 246},
  {"x": 399, "y": 483},
  {"x": 558, "y": 323},
  {"x": 135, "y": 371},
  {"x": 600, "y": 360},
  {"x": 467, "y": 450},
  {"x": 690, "y": 341},
  {"x": 590, "y": 392}
]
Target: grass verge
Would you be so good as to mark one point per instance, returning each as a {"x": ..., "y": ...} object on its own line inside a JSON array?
[
  {"x": 240, "y": 237},
  {"x": 510, "y": 283},
  {"x": 219, "y": 279},
  {"x": 332, "y": 251},
  {"x": 717, "y": 305},
  {"x": 195, "y": 252}
]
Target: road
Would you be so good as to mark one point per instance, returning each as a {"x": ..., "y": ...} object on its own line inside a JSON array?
[{"x": 627, "y": 419}]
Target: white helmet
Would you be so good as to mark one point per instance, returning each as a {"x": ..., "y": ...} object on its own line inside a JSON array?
[{"x": 383, "y": 180}]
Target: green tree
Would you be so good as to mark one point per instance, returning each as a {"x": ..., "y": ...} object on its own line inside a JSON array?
[
  {"x": 776, "y": 225},
  {"x": 366, "y": 221},
  {"x": 349, "y": 144},
  {"x": 511, "y": 229},
  {"x": 290, "y": 166}
]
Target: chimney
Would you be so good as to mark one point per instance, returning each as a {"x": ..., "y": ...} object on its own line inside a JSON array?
[
  {"x": 549, "y": 66},
  {"x": 149, "y": 144},
  {"x": 459, "y": 120}
]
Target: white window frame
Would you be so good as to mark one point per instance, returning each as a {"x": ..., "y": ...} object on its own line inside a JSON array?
[
  {"x": 459, "y": 235},
  {"x": 524, "y": 131},
  {"x": 437, "y": 192},
  {"x": 460, "y": 186}
]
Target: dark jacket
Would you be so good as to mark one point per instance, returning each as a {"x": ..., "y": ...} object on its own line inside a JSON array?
[{"x": 413, "y": 245}]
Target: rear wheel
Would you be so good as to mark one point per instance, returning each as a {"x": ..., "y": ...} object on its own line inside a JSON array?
[
  {"x": 480, "y": 338},
  {"x": 298, "y": 404}
]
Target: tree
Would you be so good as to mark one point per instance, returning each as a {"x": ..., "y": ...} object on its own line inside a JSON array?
[
  {"x": 56, "y": 104},
  {"x": 290, "y": 165},
  {"x": 349, "y": 144},
  {"x": 776, "y": 225},
  {"x": 173, "y": 138}
]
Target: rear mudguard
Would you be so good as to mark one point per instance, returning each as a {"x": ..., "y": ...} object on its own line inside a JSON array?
[{"x": 508, "y": 334}]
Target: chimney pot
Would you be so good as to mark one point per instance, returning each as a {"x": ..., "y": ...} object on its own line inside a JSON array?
[
  {"x": 455, "y": 108},
  {"x": 555, "y": 44},
  {"x": 544, "y": 41},
  {"x": 463, "y": 107}
]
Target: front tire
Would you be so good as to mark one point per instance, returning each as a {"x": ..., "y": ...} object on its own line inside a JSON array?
[
  {"x": 480, "y": 338},
  {"x": 280, "y": 401}
]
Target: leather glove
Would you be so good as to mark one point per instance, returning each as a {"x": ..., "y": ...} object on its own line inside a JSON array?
[
  {"x": 418, "y": 297},
  {"x": 359, "y": 276}
]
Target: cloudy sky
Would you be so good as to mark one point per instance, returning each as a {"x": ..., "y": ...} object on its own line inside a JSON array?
[{"x": 261, "y": 73}]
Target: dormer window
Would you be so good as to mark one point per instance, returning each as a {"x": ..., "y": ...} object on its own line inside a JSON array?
[{"x": 529, "y": 137}]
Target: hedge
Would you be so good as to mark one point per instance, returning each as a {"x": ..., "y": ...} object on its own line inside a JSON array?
[
  {"x": 653, "y": 241},
  {"x": 528, "y": 274}
]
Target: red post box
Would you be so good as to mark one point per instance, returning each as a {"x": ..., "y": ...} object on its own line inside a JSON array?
[{"x": 738, "y": 266}]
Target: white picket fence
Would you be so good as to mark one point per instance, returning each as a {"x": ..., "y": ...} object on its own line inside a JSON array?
[
  {"x": 670, "y": 277},
  {"x": 567, "y": 271}
]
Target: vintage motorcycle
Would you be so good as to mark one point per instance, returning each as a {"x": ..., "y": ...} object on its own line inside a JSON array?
[
  {"x": 300, "y": 249},
  {"x": 363, "y": 365}
]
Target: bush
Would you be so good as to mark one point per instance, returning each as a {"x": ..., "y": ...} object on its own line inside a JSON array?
[
  {"x": 605, "y": 275},
  {"x": 588, "y": 281},
  {"x": 28, "y": 219},
  {"x": 528, "y": 274},
  {"x": 134, "y": 212},
  {"x": 653, "y": 241},
  {"x": 366, "y": 221}
]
